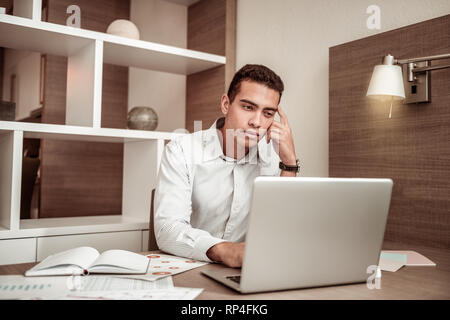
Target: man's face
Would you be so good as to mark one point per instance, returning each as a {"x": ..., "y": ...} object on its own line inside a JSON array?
[{"x": 251, "y": 113}]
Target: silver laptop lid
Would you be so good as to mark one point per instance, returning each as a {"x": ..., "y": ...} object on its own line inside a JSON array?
[{"x": 306, "y": 232}]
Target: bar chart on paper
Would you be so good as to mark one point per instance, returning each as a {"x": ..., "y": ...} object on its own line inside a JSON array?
[
  {"x": 19, "y": 287},
  {"x": 23, "y": 287}
]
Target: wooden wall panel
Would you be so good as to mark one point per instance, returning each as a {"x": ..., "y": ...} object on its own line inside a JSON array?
[
  {"x": 203, "y": 93},
  {"x": 80, "y": 178},
  {"x": 230, "y": 41},
  {"x": 412, "y": 148},
  {"x": 54, "y": 110},
  {"x": 206, "y": 26},
  {"x": 212, "y": 29},
  {"x": 2, "y": 54}
]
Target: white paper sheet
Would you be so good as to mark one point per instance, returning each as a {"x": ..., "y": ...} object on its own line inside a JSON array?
[
  {"x": 393, "y": 260},
  {"x": 104, "y": 283},
  {"x": 175, "y": 293},
  {"x": 389, "y": 265},
  {"x": 20, "y": 287},
  {"x": 164, "y": 265}
]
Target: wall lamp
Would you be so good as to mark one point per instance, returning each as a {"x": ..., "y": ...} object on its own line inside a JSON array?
[{"x": 408, "y": 79}]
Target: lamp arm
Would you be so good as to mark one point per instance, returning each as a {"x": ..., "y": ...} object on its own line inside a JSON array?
[
  {"x": 423, "y": 69},
  {"x": 427, "y": 58}
]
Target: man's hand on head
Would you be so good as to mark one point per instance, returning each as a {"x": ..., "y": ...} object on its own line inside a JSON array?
[
  {"x": 229, "y": 253},
  {"x": 281, "y": 132}
]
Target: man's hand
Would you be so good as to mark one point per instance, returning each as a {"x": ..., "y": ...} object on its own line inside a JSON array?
[
  {"x": 229, "y": 253},
  {"x": 282, "y": 134}
]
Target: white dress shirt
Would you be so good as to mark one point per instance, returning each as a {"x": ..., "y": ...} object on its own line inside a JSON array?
[{"x": 203, "y": 197}]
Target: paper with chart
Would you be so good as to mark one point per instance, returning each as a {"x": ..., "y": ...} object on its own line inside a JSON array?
[
  {"x": 113, "y": 288},
  {"x": 163, "y": 265},
  {"x": 20, "y": 287},
  {"x": 175, "y": 293},
  {"x": 104, "y": 283}
]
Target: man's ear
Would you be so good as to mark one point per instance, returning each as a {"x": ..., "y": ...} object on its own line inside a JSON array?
[{"x": 225, "y": 104}]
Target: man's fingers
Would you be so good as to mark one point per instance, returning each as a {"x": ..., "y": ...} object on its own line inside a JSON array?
[
  {"x": 277, "y": 125},
  {"x": 275, "y": 136},
  {"x": 274, "y": 123},
  {"x": 276, "y": 130},
  {"x": 283, "y": 116},
  {"x": 283, "y": 129},
  {"x": 273, "y": 133}
]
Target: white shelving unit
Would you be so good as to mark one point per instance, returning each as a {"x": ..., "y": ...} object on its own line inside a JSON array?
[{"x": 32, "y": 239}]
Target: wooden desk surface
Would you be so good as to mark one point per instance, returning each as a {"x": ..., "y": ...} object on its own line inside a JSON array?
[{"x": 406, "y": 283}]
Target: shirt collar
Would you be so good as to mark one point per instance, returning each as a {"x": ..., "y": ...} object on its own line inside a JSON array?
[{"x": 212, "y": 146}]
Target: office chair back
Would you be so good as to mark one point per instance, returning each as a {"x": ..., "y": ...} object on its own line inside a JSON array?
[{"x": 152, "y": 245}]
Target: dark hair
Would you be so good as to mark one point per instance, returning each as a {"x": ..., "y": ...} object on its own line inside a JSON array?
[{"x": 257, "y": 73}]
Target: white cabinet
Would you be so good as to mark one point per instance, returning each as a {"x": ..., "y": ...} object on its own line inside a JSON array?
[
  {"x": 17, "y": 251},
  {"x": 86, "y": 52},
  {"x": 36, "y": 249}
]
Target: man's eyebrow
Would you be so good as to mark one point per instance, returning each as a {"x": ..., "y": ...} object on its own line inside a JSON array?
[
  {"x": 252, "y": 103},
  {"x": 249, "y": 102}
]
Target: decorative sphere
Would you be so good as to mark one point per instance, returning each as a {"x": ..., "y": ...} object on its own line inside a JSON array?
[
  {"x": 123, "y": 28},
  {"x": 142, "y": 118}
]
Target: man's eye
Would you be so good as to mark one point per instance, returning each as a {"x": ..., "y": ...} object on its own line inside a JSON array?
[
  {"x": 269, "y": 114},
  {"x": 248, "y": 107}
]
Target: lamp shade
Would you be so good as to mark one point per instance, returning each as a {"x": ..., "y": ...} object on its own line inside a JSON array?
[{"x": 386, "y": 82}]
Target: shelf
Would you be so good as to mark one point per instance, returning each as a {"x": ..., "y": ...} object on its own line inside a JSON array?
[
  {"x": 186, "y": 3},
  {"x": 78, "y": 133},
  {"x": 27, "y": 34},
  {"x": 154, "y": 56},
  {"x": 75, "y": 225}
]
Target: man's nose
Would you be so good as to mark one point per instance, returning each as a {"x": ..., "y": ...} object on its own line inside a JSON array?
[{"x": 256, "y": 120}]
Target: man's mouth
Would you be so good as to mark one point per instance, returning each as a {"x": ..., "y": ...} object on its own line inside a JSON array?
[{"x": 252, "y": 134}]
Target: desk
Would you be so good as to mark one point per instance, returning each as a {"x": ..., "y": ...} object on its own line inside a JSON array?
[{"x": 407, "y": 283}]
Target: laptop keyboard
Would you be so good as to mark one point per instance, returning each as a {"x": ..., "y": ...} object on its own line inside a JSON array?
[{"x": 236, "y": 279}]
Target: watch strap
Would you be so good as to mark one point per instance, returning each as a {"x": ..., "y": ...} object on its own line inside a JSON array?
[{"x": 295, "y": 168}]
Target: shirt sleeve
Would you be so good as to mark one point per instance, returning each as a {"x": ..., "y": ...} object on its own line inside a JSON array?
[{"x": 173, "y": 208}]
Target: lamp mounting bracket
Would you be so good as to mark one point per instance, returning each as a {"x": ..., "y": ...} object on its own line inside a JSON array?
[{"x": 416, "y": 84}]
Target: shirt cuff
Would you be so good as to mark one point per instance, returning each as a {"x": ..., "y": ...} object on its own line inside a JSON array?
[{"x": 203, "y": 244}]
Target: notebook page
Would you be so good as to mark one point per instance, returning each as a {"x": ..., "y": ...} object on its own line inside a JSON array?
[
  {"x": 81, "y": 256},
  {"x": 120, "y": 261}
]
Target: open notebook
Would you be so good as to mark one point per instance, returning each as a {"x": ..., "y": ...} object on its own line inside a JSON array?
[{"x": 85, "y": 260}]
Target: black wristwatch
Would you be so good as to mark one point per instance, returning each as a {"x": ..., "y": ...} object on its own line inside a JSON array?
[{"x": 295, "y": 168}]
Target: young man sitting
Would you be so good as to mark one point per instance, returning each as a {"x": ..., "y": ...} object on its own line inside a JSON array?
[{"x": 205, "y": 180}]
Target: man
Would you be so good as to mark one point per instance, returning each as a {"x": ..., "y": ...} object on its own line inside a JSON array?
[{"x": 205, "y": 180}]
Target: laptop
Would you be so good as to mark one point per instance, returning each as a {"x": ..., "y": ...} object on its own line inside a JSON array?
[{"x": 310, "y": 232}]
